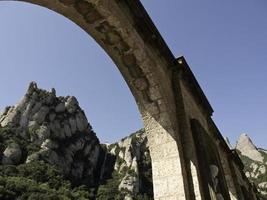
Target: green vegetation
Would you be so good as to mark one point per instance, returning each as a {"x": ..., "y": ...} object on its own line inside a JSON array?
[
  {"x": 264, "y": 154},
  {"x": 109, "y": 190},
  {"x": 48, "y": 156},
  {"x": 38, "y": 180},
  {"x": 42, "y": 181},
  {"x": 260, "y": 178},
  {"x": 35, "y": 180},
  {"x": 10, "y": 135}
]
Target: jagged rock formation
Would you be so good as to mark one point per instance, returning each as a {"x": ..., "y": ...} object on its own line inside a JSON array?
[
  {"x": 131, "y": 163},
  {"x": 247, "y": 148},
  {"x": 44, "y": 128},
  {"x": 56, "y": 128},
  {"x": 255, "y": 162}
]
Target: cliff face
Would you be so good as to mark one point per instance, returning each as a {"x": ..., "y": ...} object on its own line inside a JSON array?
[
  {"x": 127, "y": 167},
  {"x": 53, "y": 132},
  {"x": 52, "y": 129},
  {"x": 255, "y": 162},
  {"x": 248, "y": 149}
]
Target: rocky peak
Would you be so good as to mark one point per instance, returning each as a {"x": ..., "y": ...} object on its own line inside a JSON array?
[
  {"x": 247, "y": 148},
  {"x": 131, "y": 166},
  {"x": 255, "y": 165},
  {"x": 44, "y": 128},
  {"x": 53, "y": 129},
  {"x": 245, "y": 141}
]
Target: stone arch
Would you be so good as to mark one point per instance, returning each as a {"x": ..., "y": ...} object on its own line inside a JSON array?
[{"x": 124, "y": 30}]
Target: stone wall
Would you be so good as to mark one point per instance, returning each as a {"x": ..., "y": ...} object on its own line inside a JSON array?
[{"x": 196, "y": 107}]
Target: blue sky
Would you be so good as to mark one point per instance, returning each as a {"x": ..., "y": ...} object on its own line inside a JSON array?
[{"x": 224, "y": 42}]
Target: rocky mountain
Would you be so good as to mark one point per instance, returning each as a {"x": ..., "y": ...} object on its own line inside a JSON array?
[
  {"x": 127, "y": 169},
  {"x": 248, "y": 149},
  {"x": 48, "y": 150},
  {"x": 56, "y": 129},
  {"x": 255, "y": 162}
]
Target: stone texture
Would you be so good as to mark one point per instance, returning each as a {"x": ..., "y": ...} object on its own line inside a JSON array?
[
  {"x": 41, "y": 114},
  {"x": 71, "y": 104},
  {"x": 247, "y": 148},
  {"x": 59, "y": 132},
  {"x": 60, "y": 108},
  {"x": 12, "y": 154},
  {"x": 129, "y": 183}
]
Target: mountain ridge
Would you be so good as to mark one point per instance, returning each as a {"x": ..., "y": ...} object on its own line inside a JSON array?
[
  {"x": 48, "y": 150},
  {"x": 255, "y": 162}
]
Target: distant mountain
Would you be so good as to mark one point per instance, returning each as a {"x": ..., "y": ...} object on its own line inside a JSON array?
[
  {"x": 248, "y": 149},
  {"x": 255, "y": 162}
]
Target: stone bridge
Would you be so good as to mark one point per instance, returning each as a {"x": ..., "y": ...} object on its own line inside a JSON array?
[{"x": 175, "y": 112}]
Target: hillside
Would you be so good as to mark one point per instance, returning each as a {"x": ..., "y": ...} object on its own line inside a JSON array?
[
  {"x": 48, "y": 150},
  {"x": 255, "y": 162}
]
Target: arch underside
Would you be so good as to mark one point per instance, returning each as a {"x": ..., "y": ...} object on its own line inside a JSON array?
[{"x": 147, "y": 72}]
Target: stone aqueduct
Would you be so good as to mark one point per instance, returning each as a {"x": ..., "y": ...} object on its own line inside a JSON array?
[{"x": 175, "y": 112}]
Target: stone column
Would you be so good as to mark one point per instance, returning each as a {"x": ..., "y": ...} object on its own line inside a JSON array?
[
  {"x": 228, "y": 175},
  {"x": 166, "y": 166}
]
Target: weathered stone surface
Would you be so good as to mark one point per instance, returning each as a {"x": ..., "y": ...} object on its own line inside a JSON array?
[
  {"x": 73, "y": 125},
  {"x": 132, "y": 155},
  {"x": 67, "y": 130},
  {"x": 141, "y": 84},
  {"x": 52, "y": 116},
  {"x": 81, "y": 121},
  {"x": 43, "y": 133},
  {"x": 10, "y": 117},
  {"x": 68, "y": 2},
  {"x": 129, "y": 60},
  {"x": 36, "y": 107},
  {"x": 77, "y": 170},
  {"x": 214, "y": 171},
  {"x": 41, "y": 114},
  {"x": 12, "y": 154},
  {"x": 58, "y": 131},
  {"x": 93, "y": 16},
  {"x": 247, "y": 148},
  {"x": 84, "y": 7},
  {"x": 49, "y": 144},
  {"x": 130, "y": 184},
  {"x": 71, "y": 104},
  {"x": 60, "y": 108},
  {"x": 31, "y": 88}
]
